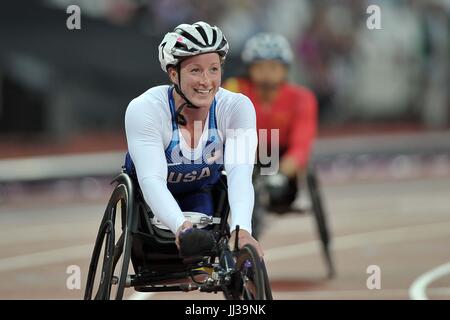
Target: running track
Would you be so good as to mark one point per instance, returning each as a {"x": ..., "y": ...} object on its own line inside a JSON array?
[{"x": 402, "y": 226}]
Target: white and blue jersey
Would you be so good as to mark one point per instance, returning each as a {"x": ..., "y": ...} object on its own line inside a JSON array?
[
  {"x": 175, "y": 178},
  {"x": 187, "y": 175}
]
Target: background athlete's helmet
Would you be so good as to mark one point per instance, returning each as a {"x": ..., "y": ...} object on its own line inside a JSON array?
[
  {"x": 267, "y": 46},
  {"x": 189, "y": 40}
]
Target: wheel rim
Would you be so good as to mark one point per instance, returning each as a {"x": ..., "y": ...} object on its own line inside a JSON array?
[
  {"x": 249, "y": 282},
  {"x": 107, "y": 279}
]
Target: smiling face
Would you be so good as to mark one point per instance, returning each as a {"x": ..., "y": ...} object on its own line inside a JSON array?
[{"x": 200, "y": 78}]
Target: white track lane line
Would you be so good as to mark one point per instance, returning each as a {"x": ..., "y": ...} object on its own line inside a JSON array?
[
  {"x": 44, "y": 258},
  {"x": 351, "y": 294},
  {"x": 419, "y": 232},
  {"x": 356, "y": 240},
  {"x": 417, "y": 291}
]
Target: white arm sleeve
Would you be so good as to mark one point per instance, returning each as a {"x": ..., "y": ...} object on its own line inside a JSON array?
[
  {"x": 145, "y": 144},
  {"x": 240, "y": 151}
]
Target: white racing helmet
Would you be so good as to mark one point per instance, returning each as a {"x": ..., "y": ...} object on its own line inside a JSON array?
[
  {"x": 189, "y": 40},
  {"x": 267, "y": 46}
]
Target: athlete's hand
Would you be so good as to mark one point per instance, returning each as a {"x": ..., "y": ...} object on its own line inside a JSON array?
[
  {"x": 244, "y": 238},
  {"x": 186, "y": 225}
]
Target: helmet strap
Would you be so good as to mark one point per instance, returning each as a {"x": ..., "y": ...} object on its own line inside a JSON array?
[{"x": 181, "y": 120}]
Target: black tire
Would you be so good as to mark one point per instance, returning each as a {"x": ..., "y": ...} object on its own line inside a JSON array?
[
  {"x": 321, "y": 222},
  {"x": 105, "y": 236},
  {"x": 268, "y": 289},
  {"x": 258, "y": 218},
  {"x": 250, "y": 281},
  {"x": 116, "y": 257},
  {"x": 259, "y": 208}
]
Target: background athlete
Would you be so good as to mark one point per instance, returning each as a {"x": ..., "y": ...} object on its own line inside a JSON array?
[{"x": 282, "y": 105}]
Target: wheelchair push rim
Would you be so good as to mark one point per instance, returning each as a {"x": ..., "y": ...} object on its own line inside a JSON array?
[
  {"x": 104, "y": 246},
  {"x": 250, "y": 281},
  {"x": 116, "y": 257}
]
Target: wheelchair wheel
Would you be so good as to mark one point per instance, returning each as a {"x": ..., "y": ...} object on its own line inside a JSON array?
[
  {"x": 321, "y": 222},
  {"x": 106, "y": 280},
  {"x": 250, "y": 281},
  {"x": 259, "y": 208},
  {"x": 258, "y": 217},
  {"x": 268, "y": 289}
]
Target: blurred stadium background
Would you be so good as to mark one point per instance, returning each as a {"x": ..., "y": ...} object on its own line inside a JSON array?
[{"x": 383, "y": 151}]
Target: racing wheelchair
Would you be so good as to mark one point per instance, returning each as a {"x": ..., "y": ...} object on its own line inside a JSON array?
[
  {"x": 127, "y": 233},
  {"x": 317, "y": 209}
]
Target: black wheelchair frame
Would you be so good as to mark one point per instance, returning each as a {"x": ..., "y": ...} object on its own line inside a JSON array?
[{"x": 239, "y": 274}]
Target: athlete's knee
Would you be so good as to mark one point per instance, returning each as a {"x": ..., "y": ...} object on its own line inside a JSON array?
[{"x": 279, "y": 192}]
